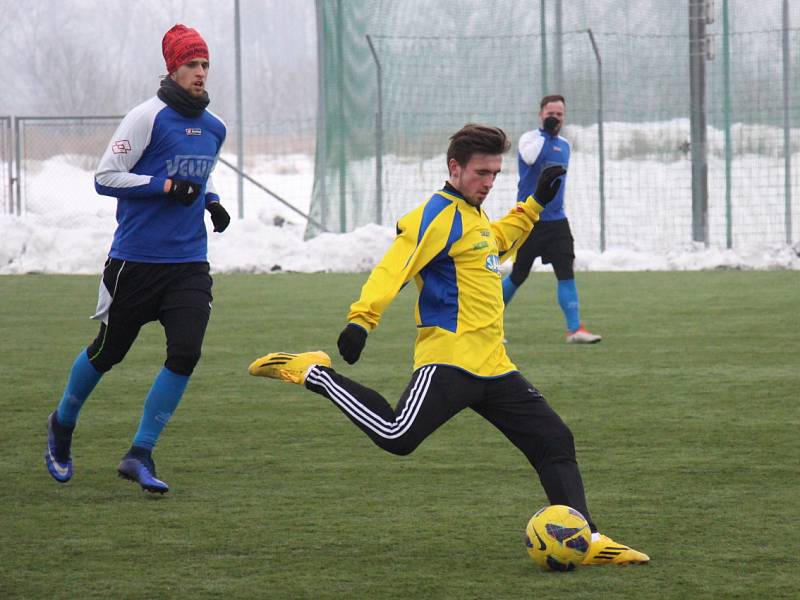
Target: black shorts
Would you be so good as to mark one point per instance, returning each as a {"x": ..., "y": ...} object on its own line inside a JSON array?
[
  {"x": 553, "y": 242},
  {"x": 549, "y": 240},
  {"x": 136, "y": 293},
  {"x": 132, "y": 294}
]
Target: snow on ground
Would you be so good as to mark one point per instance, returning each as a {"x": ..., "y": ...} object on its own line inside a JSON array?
[{"x": 67, "y": 228}]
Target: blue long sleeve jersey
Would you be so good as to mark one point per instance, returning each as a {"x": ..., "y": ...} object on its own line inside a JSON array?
[
  {"x": 453, "y": 253},
  {"x": 154, "y": 143},
  {"x": 537, "y": 151}
]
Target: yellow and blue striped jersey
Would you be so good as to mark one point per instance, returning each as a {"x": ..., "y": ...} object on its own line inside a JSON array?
[{"x": 453, "y": 252}]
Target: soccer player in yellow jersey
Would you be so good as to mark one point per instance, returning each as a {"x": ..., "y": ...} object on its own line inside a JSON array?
[{"x": 453, "y": 252}]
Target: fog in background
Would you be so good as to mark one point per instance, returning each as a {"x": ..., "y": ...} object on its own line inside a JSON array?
[
  {"x": 92, "y": 57},
  {"x": 102, "y": 57}
]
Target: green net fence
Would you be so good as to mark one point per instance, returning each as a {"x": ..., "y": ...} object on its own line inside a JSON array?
[{"x": 440, "y": 65}]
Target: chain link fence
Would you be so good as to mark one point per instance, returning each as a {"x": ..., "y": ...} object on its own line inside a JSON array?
[
  {"x": 52, "y": 155},
  {"x": 49, "y": 163},
  {"x": 681, "y": 132},
  {"x": 377, "y": 155}
]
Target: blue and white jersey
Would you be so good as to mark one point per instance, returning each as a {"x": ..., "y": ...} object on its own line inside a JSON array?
[
  {"x": 154, "y": 143},
  {"x": 537, "y": 151}
]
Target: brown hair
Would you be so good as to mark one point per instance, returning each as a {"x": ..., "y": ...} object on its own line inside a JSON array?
[
  {"x": 476, "y": 139},
  {"x": 551, "y": 98}
]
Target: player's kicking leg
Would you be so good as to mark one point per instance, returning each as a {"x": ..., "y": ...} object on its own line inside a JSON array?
[
  {"x": 519, "y": 410},
  {"x": 432, "y": 397}
]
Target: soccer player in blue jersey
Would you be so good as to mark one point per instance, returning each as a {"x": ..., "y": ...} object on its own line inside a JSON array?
[
  {"x": 452, "y": 251},
  {"x": 158, "y": 167},
  {"x": 551, "y": 239}
]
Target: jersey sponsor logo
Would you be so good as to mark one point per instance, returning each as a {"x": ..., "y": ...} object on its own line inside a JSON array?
[
  {"x": 479, "y": 245},
  {"x": 485, "y": 232},
  {"x": 121, "y": 147},
  {"x": 190, "y": 165},
  {"x": 194, "y": 131},
  {"x": 557, "y": 148},
  {"x": 493, "y": 263}
]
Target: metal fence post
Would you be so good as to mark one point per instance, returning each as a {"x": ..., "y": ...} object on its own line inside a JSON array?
[
  {"x": 378, "y": 137},
  {"x": 323, "y": 138},
  {"x": 239, "y": 116},
  {"x": 7, "y": 152},
  {"x": 600, "y": 141},
  {"x": 340, "y": 117},
  {"x": 787, "y": 148},
  {"x": 697, "y": 104},
  {"x": 726, "y": 115},
  {"x": 543, "y": 34},
  {"x": 17, "y": 163},
  {"x": 558, "y": 54}
]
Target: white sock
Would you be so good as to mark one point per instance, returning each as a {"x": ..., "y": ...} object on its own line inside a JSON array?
[{"x": 595, "y": 536}]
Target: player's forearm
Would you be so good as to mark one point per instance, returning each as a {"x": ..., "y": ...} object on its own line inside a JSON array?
[
  {"x": 129, "y": 185},
  {"x": 516, "y": 225},
  {"x": 380, "y": 289}
]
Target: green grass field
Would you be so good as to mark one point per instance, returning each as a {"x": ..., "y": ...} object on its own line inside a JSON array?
[{"x": 685, "y": 418}]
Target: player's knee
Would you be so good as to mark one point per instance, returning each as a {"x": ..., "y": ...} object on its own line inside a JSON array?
[
  {"x": 101, "y": 359},
  {"x": 182, "y": 360},
  {"x": 102, "y": 363},
  {"x": 402, "y": 446},
  {"x": 560, "y": 445}
]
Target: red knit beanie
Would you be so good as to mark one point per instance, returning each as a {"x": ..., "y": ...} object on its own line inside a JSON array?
[{"x": 180, "y": 45}]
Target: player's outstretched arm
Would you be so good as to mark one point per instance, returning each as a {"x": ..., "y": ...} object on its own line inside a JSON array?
[{"x": 513, "y": 229}]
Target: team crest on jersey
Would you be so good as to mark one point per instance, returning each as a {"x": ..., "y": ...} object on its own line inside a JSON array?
[
  {"x": 480, "y": 245},
  {"x": 194, "y": 131},
  {"x": 190, "y": 165},
  {"x": 493, "y": 263}
]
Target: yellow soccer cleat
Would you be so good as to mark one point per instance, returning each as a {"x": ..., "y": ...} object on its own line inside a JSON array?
[
  {"x": 606, "y": 551},
  {"x": 288, "y": 367}
]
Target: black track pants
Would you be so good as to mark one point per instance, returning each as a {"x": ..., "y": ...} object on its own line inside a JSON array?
[{"x": 437, "y": 393}]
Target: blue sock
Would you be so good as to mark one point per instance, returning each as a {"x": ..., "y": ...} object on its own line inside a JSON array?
[
  {"x": 82, "y": 379},
  {"x": 568, "y": 300},
  {"x": 161, "y": 402},
  {"x": 509, "y": 289}
]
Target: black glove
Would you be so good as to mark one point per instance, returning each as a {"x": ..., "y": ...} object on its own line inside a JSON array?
[
  {"x": 548, "y": 185},
  {"x": 351, "y": 342},
  {"x": 551, "y": 125},
  {"x": 219, "y": 216},
  {"x": 184, "y": 192}
]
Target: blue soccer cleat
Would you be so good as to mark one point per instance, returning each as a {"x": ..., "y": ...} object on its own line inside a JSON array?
[
  {"x": 137, "y": 465},
  {"x": 58, "y": 457}
]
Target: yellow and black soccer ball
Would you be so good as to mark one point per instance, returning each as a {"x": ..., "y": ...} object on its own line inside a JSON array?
[{"x": 558, "y": 538}]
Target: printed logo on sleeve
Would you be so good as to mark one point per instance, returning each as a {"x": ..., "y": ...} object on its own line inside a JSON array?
[{"x": 121, "y": 147}]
